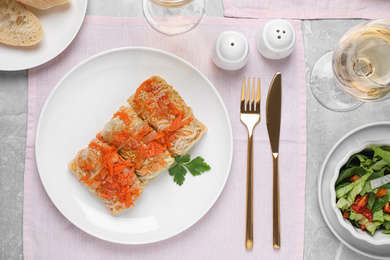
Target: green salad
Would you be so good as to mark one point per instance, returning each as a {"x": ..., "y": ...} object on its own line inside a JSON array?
[{"x": 363, "y": 189}]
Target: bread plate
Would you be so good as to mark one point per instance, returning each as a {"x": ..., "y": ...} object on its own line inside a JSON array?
[
  {"x": 79, "y": 106},
  {"x": 370, "y": 133},
  {"x": 60, "y": 24}
]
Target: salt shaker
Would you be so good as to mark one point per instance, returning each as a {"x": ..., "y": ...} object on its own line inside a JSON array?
[
  {"x": 230, "y": 50},
  {"x": 276, "y": 39}
]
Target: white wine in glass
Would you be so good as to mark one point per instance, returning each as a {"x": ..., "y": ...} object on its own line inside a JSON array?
[
  {"x": 360, "y": 67},
  {"x": 173, "y": 17},
  {"x": 171, "y": 3}
]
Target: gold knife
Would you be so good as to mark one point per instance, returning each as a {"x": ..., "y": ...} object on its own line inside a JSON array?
[{"x": 273, "y": 115}]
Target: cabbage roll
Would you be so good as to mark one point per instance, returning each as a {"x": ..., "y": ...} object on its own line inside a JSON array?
[
  {"x": 138, "y": 143},
  {"x": 106, "y": 174},
  {"x": 158, "y": 103}
]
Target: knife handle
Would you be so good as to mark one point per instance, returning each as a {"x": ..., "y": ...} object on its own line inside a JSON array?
[
  {"x": 275, "y": 201},
  {"x": 249, "y": 196}
]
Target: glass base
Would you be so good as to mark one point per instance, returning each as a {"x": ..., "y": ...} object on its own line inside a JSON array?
[
  {"x": 174, "y": 21},
  {"x": 326, "y": 90}
]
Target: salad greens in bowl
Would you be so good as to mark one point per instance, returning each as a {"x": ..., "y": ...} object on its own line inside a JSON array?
[{"x": 360, "y": 192}]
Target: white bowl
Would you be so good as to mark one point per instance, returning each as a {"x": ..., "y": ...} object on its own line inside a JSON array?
[{"x": 378, "y": 238}]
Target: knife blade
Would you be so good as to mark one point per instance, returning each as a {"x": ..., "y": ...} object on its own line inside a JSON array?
[{"x": 273, "y": 120}]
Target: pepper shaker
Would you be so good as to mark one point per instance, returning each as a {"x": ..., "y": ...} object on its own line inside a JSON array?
[{"x": 276, "y": 39}]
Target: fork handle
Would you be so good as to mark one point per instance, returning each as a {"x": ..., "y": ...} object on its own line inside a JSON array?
[
  {"x": 275, "y": 201},
  {"x": 249, "y": 196}
]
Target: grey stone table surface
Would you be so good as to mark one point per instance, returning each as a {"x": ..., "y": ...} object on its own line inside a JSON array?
[{"x": 324, "y": 129}]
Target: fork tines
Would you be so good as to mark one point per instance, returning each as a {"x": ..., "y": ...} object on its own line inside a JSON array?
[{"x": 248, "y": 102}]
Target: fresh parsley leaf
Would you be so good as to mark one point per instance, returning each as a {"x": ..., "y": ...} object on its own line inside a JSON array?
[
  {"x": 196, "y": 167},
  {"x": 182, "y": 159},
  {"x": 178, "y": 172}
]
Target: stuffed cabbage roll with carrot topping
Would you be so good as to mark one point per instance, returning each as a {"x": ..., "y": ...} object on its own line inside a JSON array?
[
  {"x": 106, "y": 174},
  {"x": 158, "y": 103},
  {"x": 136, "y": 141}
]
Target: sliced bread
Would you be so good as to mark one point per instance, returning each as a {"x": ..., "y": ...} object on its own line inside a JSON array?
[
  {"x": 18, "y": 26},
  {"x": 43, "y": 4}
]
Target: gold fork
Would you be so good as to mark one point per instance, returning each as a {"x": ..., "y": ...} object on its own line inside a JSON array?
[{"x": 250, "y": 116}]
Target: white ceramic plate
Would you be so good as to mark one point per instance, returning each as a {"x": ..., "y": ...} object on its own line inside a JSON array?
[
  {"x": 60, "y": 24},
  {"x": 368, "y": 133},
  {"x": 77, "y": 109}
]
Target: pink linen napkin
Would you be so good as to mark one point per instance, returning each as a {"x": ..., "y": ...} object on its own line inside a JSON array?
[
  {"x": 307, "y": 9},
  {"x": 47, "y": 234}
]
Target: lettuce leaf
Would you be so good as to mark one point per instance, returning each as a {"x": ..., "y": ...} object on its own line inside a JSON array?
[
  {"x": 379, "y": 165},
  {"x": 362, "y": 221},
  {"x": 348, "y": 193},
  {"x": 380, "y": 202},
  {"x": 385, "y": 155},
  {"x": 349, "y": 172}
]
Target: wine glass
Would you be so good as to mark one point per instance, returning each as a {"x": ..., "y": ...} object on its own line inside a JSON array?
[
  {"x": 173, "y": 17},
  {"x": 357, "y": 71}
]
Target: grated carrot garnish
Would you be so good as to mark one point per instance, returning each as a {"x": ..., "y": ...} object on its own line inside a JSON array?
[{"x": 123, "y": 116}]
